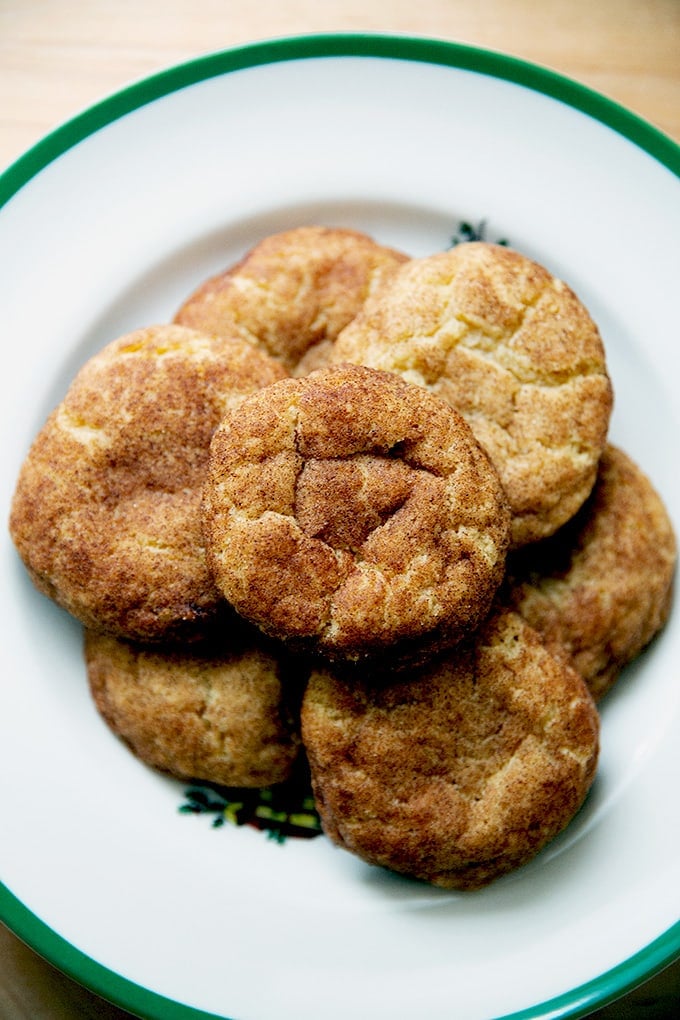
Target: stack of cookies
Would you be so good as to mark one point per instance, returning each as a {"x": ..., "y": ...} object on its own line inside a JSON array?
[{"x": 360, "y": 508}]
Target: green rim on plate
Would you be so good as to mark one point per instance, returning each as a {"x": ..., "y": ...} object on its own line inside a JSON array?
[
  {"x": 429, "y": 51},
  {"x": 665, "y": 949}
]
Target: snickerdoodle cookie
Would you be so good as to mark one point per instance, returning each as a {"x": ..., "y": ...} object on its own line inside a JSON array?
[
  {"x": 352, "y": 513},
  {"x": 229, "y": 716},
  {"x": 293, "y": 292},
  {"x": 461, "y": 772},
  {"x": 600, "y": 589},
  {"x": 515, "y": 352},
  {"x": 106, "y": 511}
]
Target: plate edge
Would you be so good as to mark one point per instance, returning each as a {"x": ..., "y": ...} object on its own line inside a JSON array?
[
  {"x": 423, "y": 49},
  {"x": 127, "y": 994}
]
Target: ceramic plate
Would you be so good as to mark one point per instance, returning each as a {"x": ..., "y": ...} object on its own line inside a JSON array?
[{"x": 106, "y": 226}]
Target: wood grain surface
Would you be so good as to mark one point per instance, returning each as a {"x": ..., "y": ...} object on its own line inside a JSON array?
[{"x": 58, "y": 57}]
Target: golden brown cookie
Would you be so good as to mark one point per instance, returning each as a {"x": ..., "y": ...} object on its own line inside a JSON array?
[
  {"x": 293, "y": 293},
  {"x": 106, "y": 512},
  {"x": 514, "y": 350},
  {"x": 600, "y": 589},
  {"x": 352, "y": 513},
  {"x": 228, "y": 717},
  {"x": 461, "y": 772}
]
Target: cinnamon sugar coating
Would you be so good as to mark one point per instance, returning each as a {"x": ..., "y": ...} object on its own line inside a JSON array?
[
  {"x": 293, "y": 292},
  {"x": 601, "y": 588},
  {"x": 106, "y": 511},
  {"x": 226, "y": 715},
  {"x": 461, "y": 772},
  {"x": 343, "y": 451},
  {"x": 515, "y": 352},
  {"x": 352, "y": 514}
]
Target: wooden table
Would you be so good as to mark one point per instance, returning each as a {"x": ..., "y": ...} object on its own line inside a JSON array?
[{"x": 58, "y": 56}]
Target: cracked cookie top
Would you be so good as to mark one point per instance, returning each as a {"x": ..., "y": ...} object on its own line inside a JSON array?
[
  {"x": 351, "y": 513},
  {"x": 515, "y": 352},
  {"x": 600, "y": 588},
  {"x": 293, "y": 292},
  {"x": 106, "y": 511},
  {"x": 459, "y": 772}
]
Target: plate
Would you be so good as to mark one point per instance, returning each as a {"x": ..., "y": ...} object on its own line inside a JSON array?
[{"x": 106, "y": 225}]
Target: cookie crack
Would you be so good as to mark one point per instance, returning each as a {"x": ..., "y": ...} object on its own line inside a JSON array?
[{"x": 492, "y": 345}]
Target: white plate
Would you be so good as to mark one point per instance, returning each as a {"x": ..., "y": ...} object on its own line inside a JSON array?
[{"x": 107, "y": 225}]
